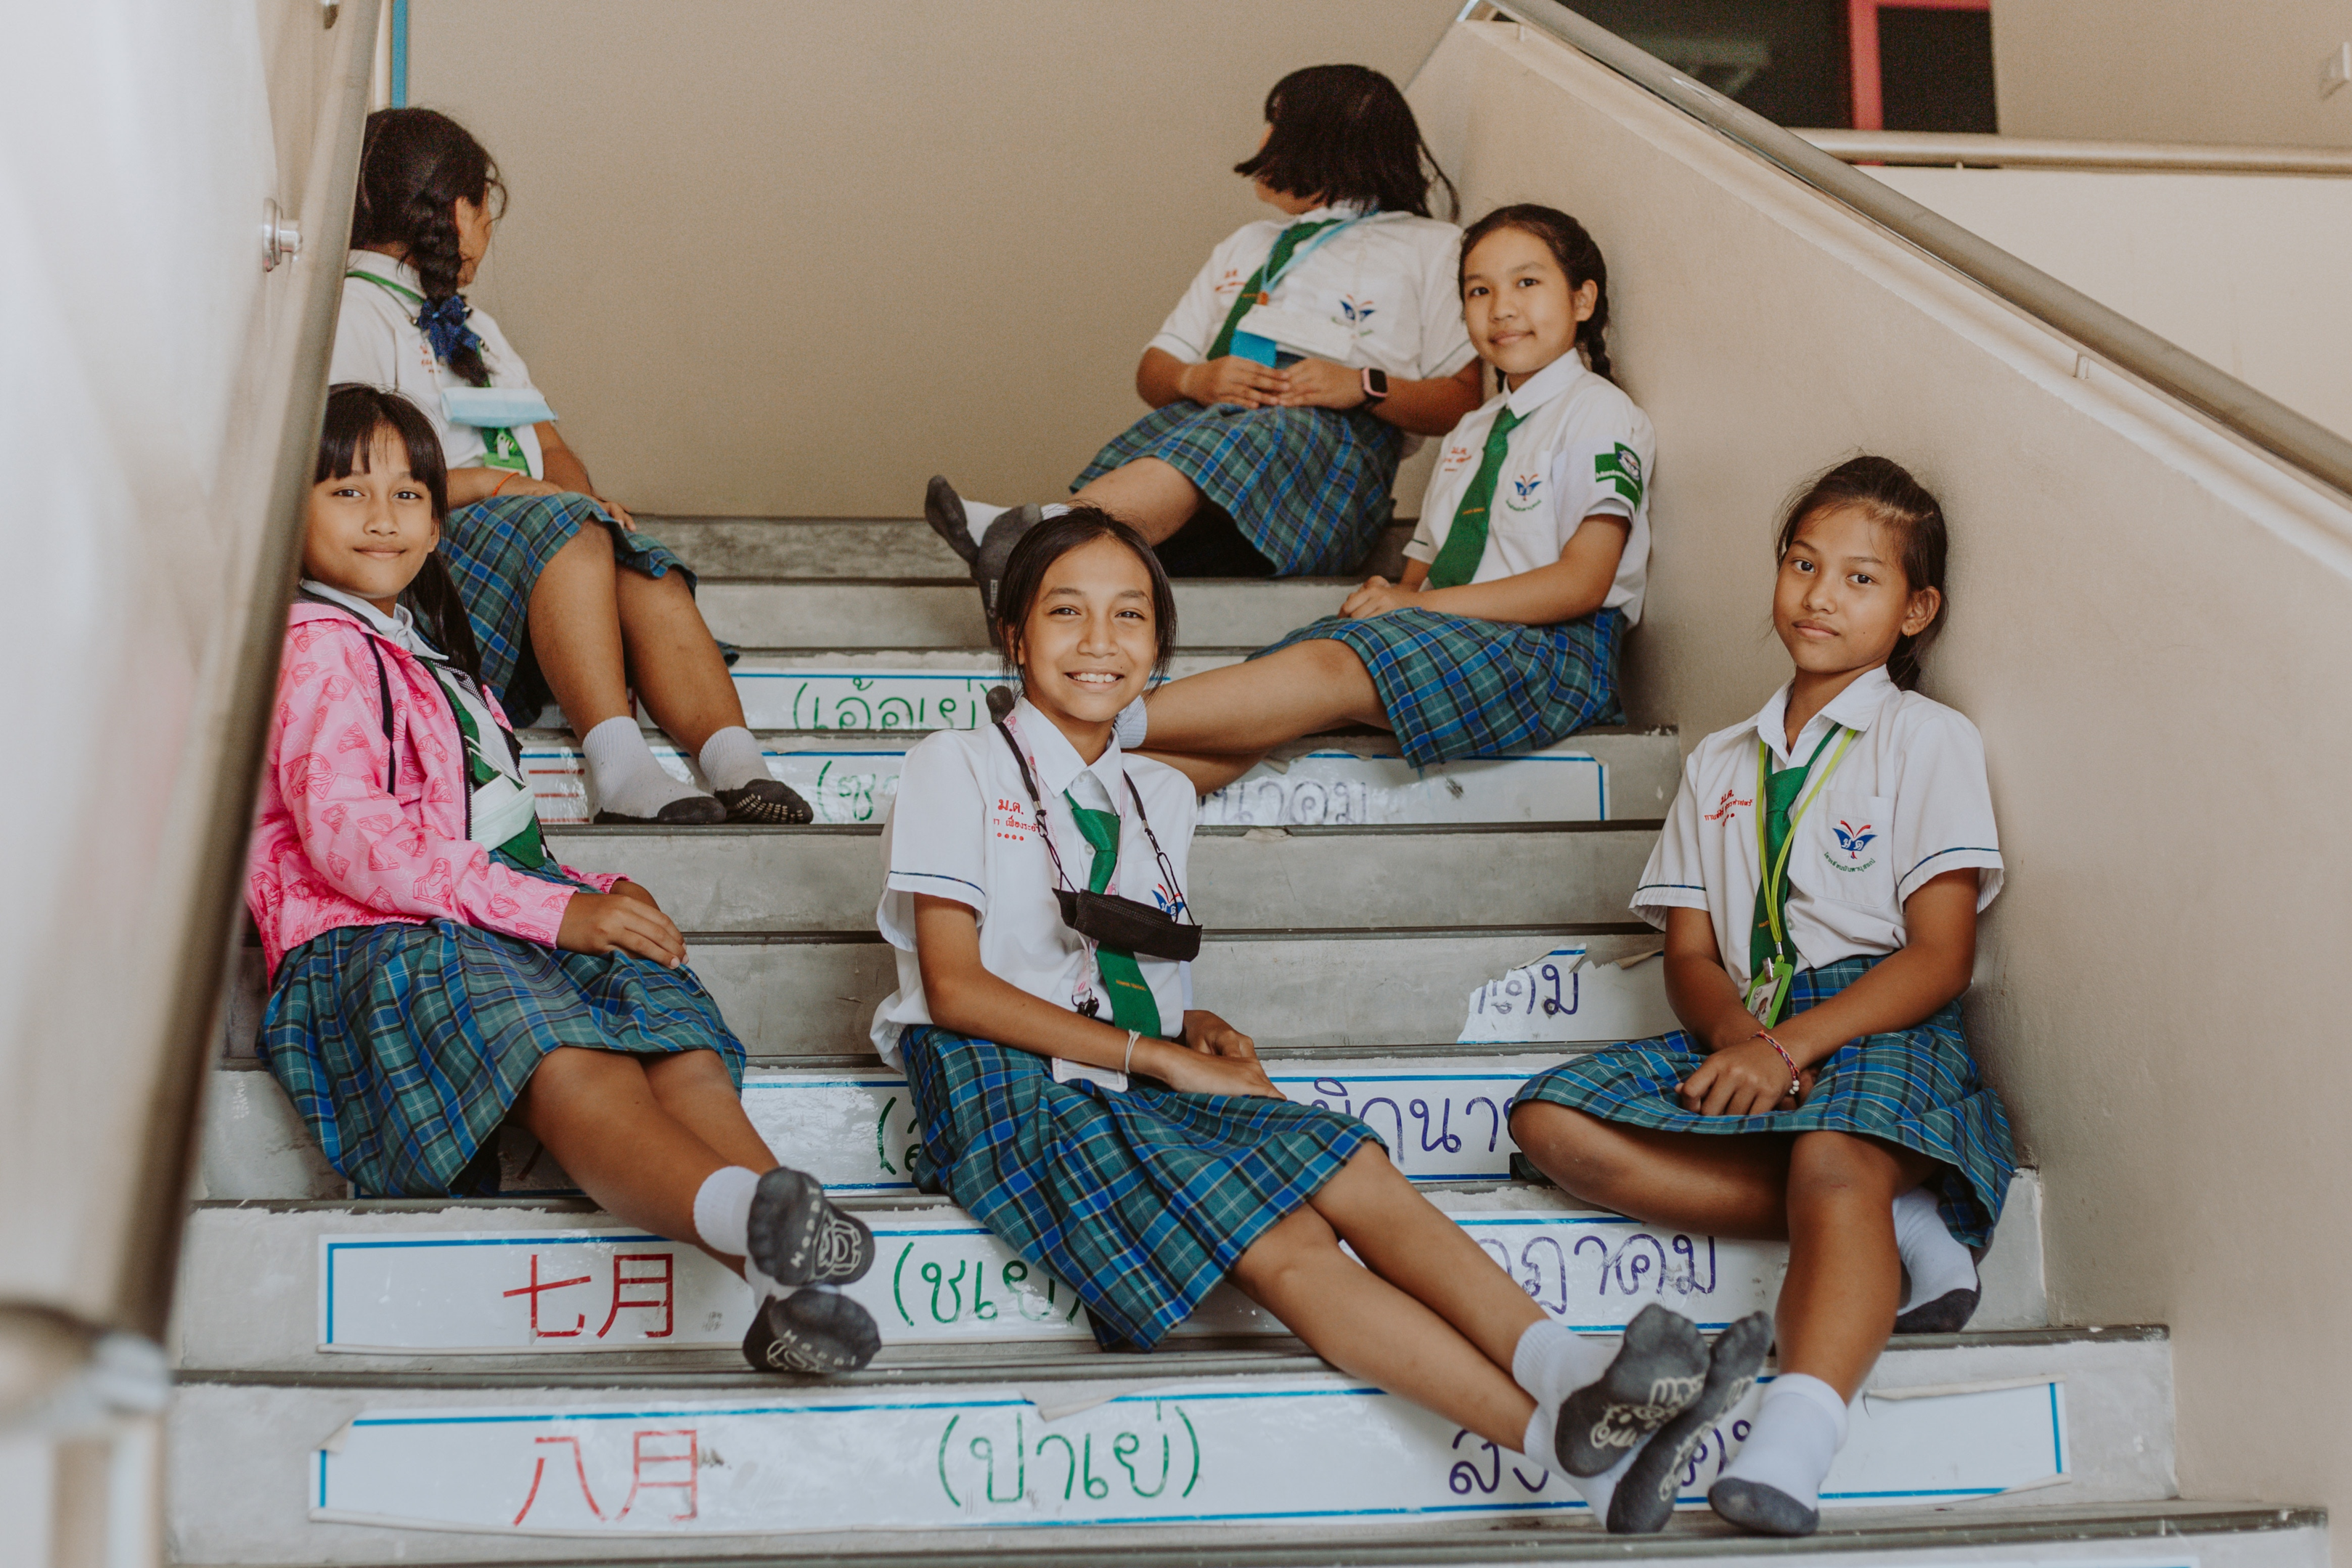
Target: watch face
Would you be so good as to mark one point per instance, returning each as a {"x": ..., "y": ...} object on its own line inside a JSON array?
[{"x": 1377, "y": 383}]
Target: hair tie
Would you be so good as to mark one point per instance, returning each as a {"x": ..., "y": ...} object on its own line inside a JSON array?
[{"x": 444, "y": 323}]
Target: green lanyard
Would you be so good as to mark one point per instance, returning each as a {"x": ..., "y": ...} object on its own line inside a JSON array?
[
  {"x": 500, "y": 448},
  {"x": 1132, "y": 1005},
  {"x": 1285, "y": 253},
  {"x": 1769, "y": 983}
]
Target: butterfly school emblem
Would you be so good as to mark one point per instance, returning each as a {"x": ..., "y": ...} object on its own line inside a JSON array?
[
  {"x": 1359, "y": 312},
  {"x": 1852, "y": 840},
  {"x": 1524, "y": 498}
]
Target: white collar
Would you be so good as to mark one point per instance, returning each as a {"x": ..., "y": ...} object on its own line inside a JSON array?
[
  {"x": 1057, "y": 761},
  {"x": 1553, "y": 381},
  {"x": 1854, "y": 707},
  {"x": 399, "y": 629},
  {"x": 390, "y": 268},
  {"x": 1329, "y": 211}
]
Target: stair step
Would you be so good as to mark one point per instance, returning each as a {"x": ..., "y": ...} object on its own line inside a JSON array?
[
  {"x": 480, "y": 1285},
  {"x": 2045, "y": 1417},
  {"x": 821, "y": 548},
  {"x": 1546, "y": 876},
  {"x": 914, "y": 613},
  {"x": 851, "y": 777}
]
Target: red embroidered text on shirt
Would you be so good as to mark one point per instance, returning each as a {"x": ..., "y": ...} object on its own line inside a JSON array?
[
  {"x": 1726, "y": 806},
  {"x": 1011, "y": 821}
]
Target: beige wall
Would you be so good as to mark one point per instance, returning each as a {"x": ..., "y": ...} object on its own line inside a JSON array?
[
  {"x": 2150, "y": 626},
  {"x": 2171, "y": 71},
  {"x": 2245, "y": 271},
  {"x": 791, "y": 259}
]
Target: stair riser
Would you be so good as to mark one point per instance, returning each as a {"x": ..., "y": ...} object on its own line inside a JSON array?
[
  {"x": 840, "y": 615},
  {"x": 850, "y": 781},
  {"x": 1301, "y": 1451},
  {"x": 830, "y": 881},
  {"x": 823, "y": 548}
]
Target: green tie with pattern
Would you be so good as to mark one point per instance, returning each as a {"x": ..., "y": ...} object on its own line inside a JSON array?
[
  {"x": 1132, "y": 1005},
  {"x": 1465, "y": 541},
  {"x": 1285, "y": 244},
  {"x": 1780, "y": 791},
  {"x": 527, "y": 846}
]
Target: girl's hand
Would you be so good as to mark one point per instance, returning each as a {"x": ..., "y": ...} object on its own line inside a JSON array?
[
  {"x": 1207, "y": 1033},
  {"x": 624, "y": 889},
  {"x": 620, "y": 922},
  {"x": 1746, "y": 1079},
  {"x": 524, "y": 485},
  {"x": 1320, "y": 384},
  {"x": 1231, "y": 380},
  {"x": 620, "y": 513},
  {"x": 1377, "y": 597},
  {"x": 1199, "y": 1071}
]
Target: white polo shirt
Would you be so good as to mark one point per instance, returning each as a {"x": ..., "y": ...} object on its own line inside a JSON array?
[
  {"x": 961, "y": 827},
  {"x": 1388, "y": 281},
  {"x": 1581, "y": 447},
  {"x": 378, "y": 343},
  {"x": 1908, "y": 803}
]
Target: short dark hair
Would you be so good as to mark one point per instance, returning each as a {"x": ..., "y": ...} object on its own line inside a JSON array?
[
  {"x": 1345, "y": 133},
  {"x": 1895, "y": 500},
  {"x": 354, "y": 414},
  {"x": 414, "y": 165},
  {"x": 1578, "y": 256},
  {"x": 1049, "y": 541}
]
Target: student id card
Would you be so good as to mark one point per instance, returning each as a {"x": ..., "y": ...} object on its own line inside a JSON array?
[{"x": 1295, "y": 330}]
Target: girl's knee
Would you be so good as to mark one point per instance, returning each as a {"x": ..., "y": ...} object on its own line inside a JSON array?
[
  {"x": 1296, "y": 1240},
  {"x": 1826, "y": 1163}
]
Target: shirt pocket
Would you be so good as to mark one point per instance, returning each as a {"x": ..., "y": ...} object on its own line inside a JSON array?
[{"x": 1848, "y": 839}]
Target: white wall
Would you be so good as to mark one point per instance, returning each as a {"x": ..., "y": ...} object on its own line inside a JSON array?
[{"x": 2149, "y": 623}]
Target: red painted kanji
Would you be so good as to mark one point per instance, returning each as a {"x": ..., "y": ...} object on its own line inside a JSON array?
[
  {"x": 579, "y": 1469},
  {"x": 663, "y": 1276},
  {"x": 644, "y": 1459},
  {"x": 535, "y": 1289}
]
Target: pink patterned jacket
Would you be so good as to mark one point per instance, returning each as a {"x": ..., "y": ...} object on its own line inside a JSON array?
[{"x": 331, "y": 846}]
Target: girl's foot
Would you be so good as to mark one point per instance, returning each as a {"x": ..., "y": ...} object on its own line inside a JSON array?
[
  {"x": 1773, "y": 1485},
  {"x": 815, "y": 1332},
  {"x": 631, "y": 786},
  {"x": 1944, "y": 1288},
  {"x": 995, "y": 549},
  {"x": 771, "y": 802},
  {"x": 1658, "y": 1371},
  {"x": 795, "y": 1236},
  {"x": 943, "y": 510},
  {"x": 737, "y": 767},
  {"x": 1645, "y": 1499}
]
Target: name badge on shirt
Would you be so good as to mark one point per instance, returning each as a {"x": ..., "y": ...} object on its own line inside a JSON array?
[
  {"x": 1298, "y": 332},
  {"x": 495, "y": 407}
]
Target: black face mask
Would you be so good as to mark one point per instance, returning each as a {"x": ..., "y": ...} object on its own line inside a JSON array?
[{"x": 1106, "y": 919}]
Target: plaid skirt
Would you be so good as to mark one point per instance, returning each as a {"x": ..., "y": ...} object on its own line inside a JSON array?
[
  {"x": 1142, "y": 1200},
  {"x": 403, "y": 1047},
  {"x": 1918, "y": 1088},
  {"x": 1309, "y": 487},
  {"x": 495, "y": 550},
  {"x": 1454, "y": 687}
]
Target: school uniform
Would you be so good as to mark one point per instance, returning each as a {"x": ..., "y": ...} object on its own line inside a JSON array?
[
  {"x": 1307, "y": 488},
  {"x": 408, "y": 910},
  {"x": 1142, "y": 1199},
  {"x": 1531, "y": 466},
  {"x": 496, "y": 548},
  {"x": 1883, "y": 791}
]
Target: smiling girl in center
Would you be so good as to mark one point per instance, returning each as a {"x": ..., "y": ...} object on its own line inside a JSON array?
[{"x": 1074, "y": 1102}]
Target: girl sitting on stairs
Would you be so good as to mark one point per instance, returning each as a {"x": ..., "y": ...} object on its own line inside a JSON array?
[
  {"x": 1072, "y": 1101},
  {"x": 1527, "y": 567},
  {"x": 435, "y": 971},
  {"x": 1819, "y": 882}
]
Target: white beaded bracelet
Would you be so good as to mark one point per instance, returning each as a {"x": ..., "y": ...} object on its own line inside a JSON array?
[{"x": 1129, "y": 1061}]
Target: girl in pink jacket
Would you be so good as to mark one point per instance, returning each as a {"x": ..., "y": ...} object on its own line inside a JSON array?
[{"x": 435, "y": 972}]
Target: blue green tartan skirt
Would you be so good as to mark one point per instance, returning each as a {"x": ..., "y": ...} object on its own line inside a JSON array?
[
  {"x": 495, "y": 550},
  {"x": 1918, "y": 1088},
  {"x": 403, "y": 1047},
  {"x": 1454, "y": 687},
  {"x": 1309, "y": 487},
  {"x": 1142, "y": 1200}
]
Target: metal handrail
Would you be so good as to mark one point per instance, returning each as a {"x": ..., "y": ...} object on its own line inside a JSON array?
[
  {"x": 2264, "y": 422},
  {"x": 1946, "y": 149},
  {"x": 150, "y": 1241}
]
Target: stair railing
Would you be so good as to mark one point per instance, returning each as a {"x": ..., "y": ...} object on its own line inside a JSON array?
[{"x": 2264, "y": 422}]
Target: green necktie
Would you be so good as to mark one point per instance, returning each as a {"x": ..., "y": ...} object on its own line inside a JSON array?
[
  {"x": 527, "y": 846},
  {"x": 1782, "y": 789},
  {"x": 1465, "y": 541},
  {"x": 1285, "y": 244},
  {"x": 1132, "y": 1005}
]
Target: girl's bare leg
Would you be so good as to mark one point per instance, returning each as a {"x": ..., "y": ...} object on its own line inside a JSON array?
[
  {"x": 597, "y": 1113},
  {"x": 694, "y": 1089},
  {"x": 1147, "y": 495},
  {"x": 1214, "y": 727},
  {"x": 1735, "y": 1186},
  {"x": 677, "y": 668},
  {"x": 575, "y": 631},
  {"x": 1844, "y": 1283},
  {"x": 1368, "y": 1329}
]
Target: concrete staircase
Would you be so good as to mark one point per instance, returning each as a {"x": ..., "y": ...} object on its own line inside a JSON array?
[{"x": 520, "y": 1380}]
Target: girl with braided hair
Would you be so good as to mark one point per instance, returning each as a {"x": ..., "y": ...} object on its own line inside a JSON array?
[{"x": 561, "y": 609}]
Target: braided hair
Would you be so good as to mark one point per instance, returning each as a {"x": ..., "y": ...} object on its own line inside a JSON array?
[
  {"x": 415, "y": 166},
  {"x": 1578, "y": 257}
]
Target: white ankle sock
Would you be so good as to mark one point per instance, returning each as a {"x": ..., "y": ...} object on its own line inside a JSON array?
[
  {"x": 1797, "y": 1433},
  {"x": 1552, "y": 1363},
  {"x": 731, "y": 758},
  {"x": 1937, "y": 1264},
  {"x": 723, "y": 1209},
  {"x": 1596, "y": 1491},
  {"x": 628, "y": 778},
  {"x": 1051, "y": 510},
  {"x": 978, "y": 515}
]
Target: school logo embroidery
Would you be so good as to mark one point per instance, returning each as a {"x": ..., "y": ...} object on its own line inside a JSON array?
[
  {"x": 1621, "y": 470},
  {"x": 1728, "y": 805},
  {"x": 1169, "y": 905},
  {"x": 1852, "y": 840},
  {"x": 1231, "y": 283},
  {"x": 1456, "y": 457},
  {"x": 1525, "y": 499},
  {"x": 1009, "y": 821},
  {"x": 1360, "y": 312}
]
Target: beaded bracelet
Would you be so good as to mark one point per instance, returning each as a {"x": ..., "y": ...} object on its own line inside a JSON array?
[
  {"x": 1796, "y": 1082},
  {"x": 1127, "y": 1064}
]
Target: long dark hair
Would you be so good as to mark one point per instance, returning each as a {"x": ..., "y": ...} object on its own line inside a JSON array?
[
  {"x": 1345, "y": 133},
  {"x": 415, "y": 166},
  {"x": 354, "y": 414},
  {"x": 1049, "y": 541},
  {"x": 1578, "y": 257},
  {"x": 1903, "y": 506}
]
